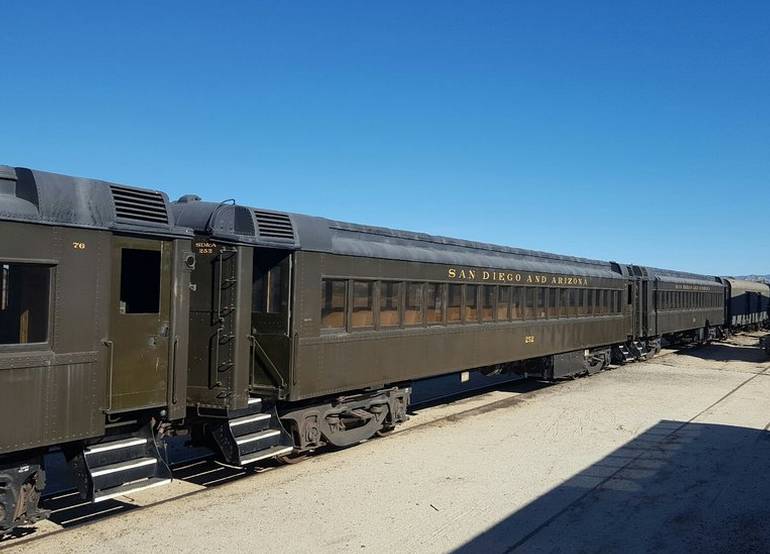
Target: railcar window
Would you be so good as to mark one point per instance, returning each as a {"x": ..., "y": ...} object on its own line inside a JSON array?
[
  {"x": 267, "y": 284},
  {"x": 563, "y": 302},
  {"x": 390, "y": 304},
  {"x": 529, "y": 302},
  {"x": 435, "y": 299},
  {"x": 333, "y": 303},
  {"x": 139, "y": 281},
  {"x": 553, "y": 304},
  {"x": 581, "y": 307},
  {"x": 24, "y": 293},
  {"x": 454, "y": 303},
  {"x": 471, "y": 303},
  {"x": 630, "y": 294},
  {"x": 487, "y": 303},
  {"x": 605, "y": 301},
  {"x": 572, "y": 311},
  {"x": 590, "y": 301},
  {"x": 517, "y": 304},
  {"x": 363, "y": 304},
  {"x": 618, "y": 304},
  {"x": 503, "y": 302},
  {"x": 413, "y": 307},
  {"x": 540, "y": 294}
]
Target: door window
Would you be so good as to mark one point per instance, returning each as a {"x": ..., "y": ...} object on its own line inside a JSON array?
[{"x": 139, "y": 281}]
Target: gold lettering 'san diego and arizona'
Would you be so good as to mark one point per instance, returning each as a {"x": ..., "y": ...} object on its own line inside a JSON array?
[{"x": 513, "y": 277}]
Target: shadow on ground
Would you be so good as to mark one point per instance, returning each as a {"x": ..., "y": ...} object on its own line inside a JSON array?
[
  {"x": 679, "y": 487},
  {"x": 725, "y": 352}
]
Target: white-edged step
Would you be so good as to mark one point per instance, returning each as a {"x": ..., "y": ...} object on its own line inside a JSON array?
[
  {"x": 131, "y": 488},
  {"x": 246, "y": 439},
  {"x": 271, "y": 452},
  {"x": 248, "y": 419}
]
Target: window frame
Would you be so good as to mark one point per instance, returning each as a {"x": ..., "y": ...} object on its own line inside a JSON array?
[
  {"x": 346, "y": 320},
  {"x": 443, "y": 289},
  {"x": 40, "y": 346},
  {"x": 351, "y": 305},
  {"x": 399, "y": 304},
  {"x": 423, "y": 312}
]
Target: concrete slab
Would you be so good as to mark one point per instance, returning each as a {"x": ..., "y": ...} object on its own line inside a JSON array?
[{"x": 667, "y": 455}]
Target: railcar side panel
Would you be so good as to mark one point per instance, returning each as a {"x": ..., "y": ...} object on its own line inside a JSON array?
[
  {"x": 52, "y": 386},
  {"x": 331, "y": 361}
]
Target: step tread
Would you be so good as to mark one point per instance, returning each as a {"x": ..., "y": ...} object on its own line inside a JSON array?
[
  {"x": 267, "y": 453},
  {"x": 115, "y": 445},
  {"x": 245, "y": 439},
  {"x": 129, "y": 488},
  {"x": 123, "y": 466},
  {"x": 251, "y": 418}
]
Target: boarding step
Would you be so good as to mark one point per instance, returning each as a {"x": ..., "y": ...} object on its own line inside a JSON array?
[
  {"x": 622, "y": 354},
  {"x": 271, "y": 452},
  {"x": 251, "y": 437},
  {"x": 119, "y": 465},
  {"x": 638, "y": 349}
]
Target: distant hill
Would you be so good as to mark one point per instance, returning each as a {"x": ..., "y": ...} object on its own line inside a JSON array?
[{"x": 761, "y": 278}]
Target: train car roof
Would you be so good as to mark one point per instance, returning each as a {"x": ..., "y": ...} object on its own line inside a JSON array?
[
  {"x": 745, "y": 285},
  {"x": 683, "y": 277},
  {"x": 51, "y": 199},
  {"x": 240, "y": 224}
]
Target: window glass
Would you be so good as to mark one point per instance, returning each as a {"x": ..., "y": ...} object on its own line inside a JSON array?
[
  {"x": 471, "y": 303},
  {"x": 503, "y": 300},
  {"x": 413, "y": 308},
  {"x": 139, "y": 281},
  {"x": 573, "y": 302},
  {"x": 434, "y": 294},
  {"x": 529, "y": 302},
  {"x": 540, "y": 294},
  {"x": 618, "y": 306},
  {"x": 454, "y": 302},
  {"x": 390, "y": 304},
  {"x": 333, "y": 303},
  {"x": 363, "y": 304},
  {"x": 563, "y": 302},
  {"x": 517, "y": 305},
  {"x": 590, "y": 301},
  {"x": 581, "y": 308},
  {"x": 605, "y": 301},
  {"x": 24, "y": 293},
  {"x": 553, "y": 302},
  {"x": 488, "y": 303}
]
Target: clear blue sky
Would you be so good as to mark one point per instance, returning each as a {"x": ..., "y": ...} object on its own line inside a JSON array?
[{"x": 633, "y": 131}]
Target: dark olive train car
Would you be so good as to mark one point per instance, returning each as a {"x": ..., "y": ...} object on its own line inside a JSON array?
[
  {"x": 93, "y": 333},
  {"x": 747, "y": 303},
  {"x": 686, "y": 303},
  {"x": 322, "y": 325}
]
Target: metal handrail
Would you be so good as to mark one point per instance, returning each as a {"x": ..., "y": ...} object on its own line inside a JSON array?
[
  {"x": 276, "y": 375},
  {"x": 111, "y": 345}
]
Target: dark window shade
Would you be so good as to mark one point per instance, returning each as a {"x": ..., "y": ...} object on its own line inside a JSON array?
[{"x": 139, "y": 281}]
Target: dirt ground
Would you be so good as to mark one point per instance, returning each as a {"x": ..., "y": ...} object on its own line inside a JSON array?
[{"x": 668, "y": 455}]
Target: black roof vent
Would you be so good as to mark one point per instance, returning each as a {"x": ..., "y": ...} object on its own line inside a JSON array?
[
  {"x": 274, "y": 226},
  {"x": 147, "y": 206}
]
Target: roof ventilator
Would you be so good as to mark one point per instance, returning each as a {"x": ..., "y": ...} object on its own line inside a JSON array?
[
  {"x": 134, "y": 205},
  {"x": 274, "y": 226}
]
